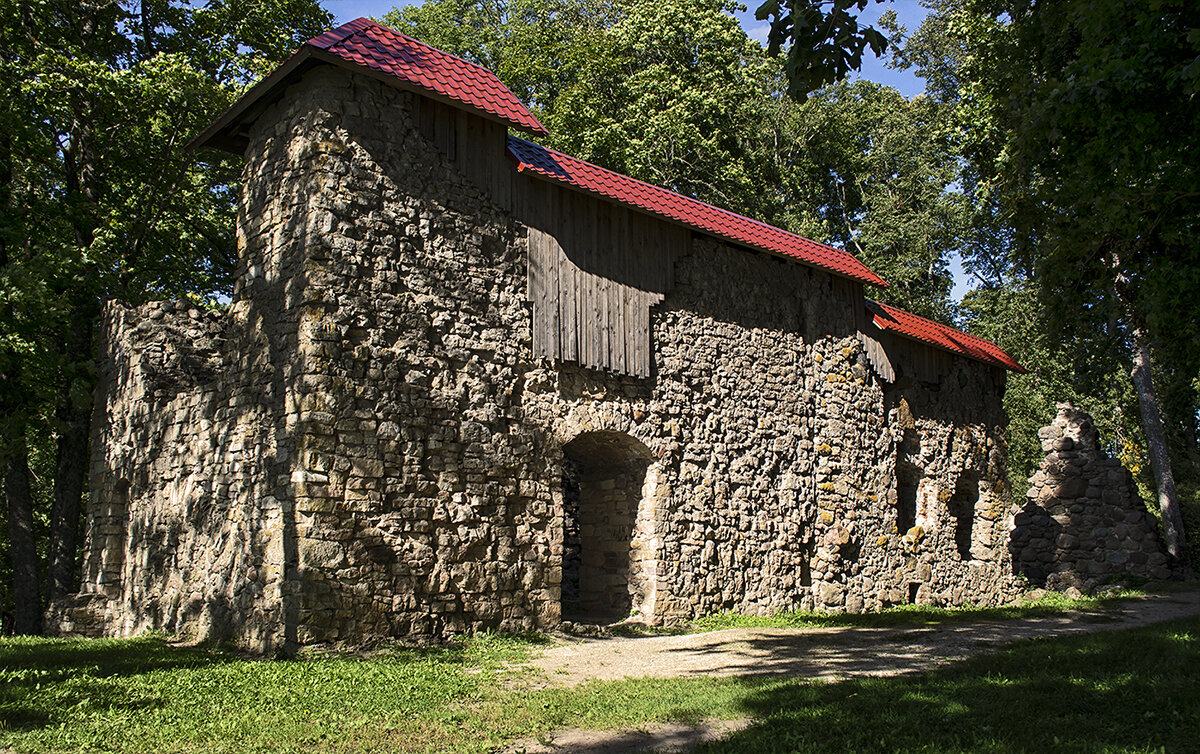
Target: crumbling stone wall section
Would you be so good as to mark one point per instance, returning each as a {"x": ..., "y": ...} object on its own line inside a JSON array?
[
  {"x": 180, "y": 534},
  {"x": 774, "y": 444},
  {"x": 947, "y": 502},
  {"x": 1083, "y": 523},
  {"x": 364, "y": 446}
]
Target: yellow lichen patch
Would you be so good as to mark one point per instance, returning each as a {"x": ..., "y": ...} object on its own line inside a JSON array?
[
  {"x": 872, "y": 497},
  {"x": 817, "y": 357},
  {"x": 883, "y": 540},
  {"x": 826, "y": 487},
  {"x": 944, "y": 496},
  {"x": 825, "y": 449},
  {"x": 825, "y": 517},
  {"x": 847, "y": 351}
]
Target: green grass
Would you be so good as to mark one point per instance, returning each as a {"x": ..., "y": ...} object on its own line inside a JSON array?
[
  {"x": 146, "y": 695},
  {"x": 1049, "y": 603},
  {"x": 1127, "y": 691},
  {"x": 1118, "y": 691}
]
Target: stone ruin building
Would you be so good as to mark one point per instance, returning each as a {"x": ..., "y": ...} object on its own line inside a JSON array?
[{"x": 467, "y": 381}]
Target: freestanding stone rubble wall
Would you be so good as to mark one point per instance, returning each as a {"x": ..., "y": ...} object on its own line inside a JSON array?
[
  {"x": 364, "y": 445},
  {"x": 1083, "y": 524}
]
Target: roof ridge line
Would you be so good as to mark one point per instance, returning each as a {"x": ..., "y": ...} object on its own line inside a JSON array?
[
  {"x": 334, "y": 36},
  {"x": 362, "y": 23}
]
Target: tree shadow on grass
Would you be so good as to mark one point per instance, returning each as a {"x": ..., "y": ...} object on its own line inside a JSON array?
[
  {"x": 42, "y": 678},
  {"x": 1101, "y": 608},
  {"x": 1128, "y": 691}
]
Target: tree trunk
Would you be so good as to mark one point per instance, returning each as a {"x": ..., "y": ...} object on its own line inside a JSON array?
[
  {"x": 1156, "y": 439},
  {"x": 27, "y": 607},
  {"x": 1160, "y": 462},
  {"x": 70, "y": 474}
]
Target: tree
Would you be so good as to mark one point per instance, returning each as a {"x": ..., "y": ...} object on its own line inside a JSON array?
[
  {"x": 100, "y": 200},
  {"x": 1076, "y": 121},
  {"x": 822, "y": 38},
  {"x": 866, "y": 169}
]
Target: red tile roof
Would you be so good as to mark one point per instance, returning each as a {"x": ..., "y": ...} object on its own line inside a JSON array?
[
  {"x": 366, "y": 43},
  {"x": 594, "y": 179},
  {"x": 943, "y": 336}
]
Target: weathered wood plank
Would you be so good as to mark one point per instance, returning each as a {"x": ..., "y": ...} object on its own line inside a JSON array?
[
  {"x": 619, "y": 221},
  {"x": 601, "y": 259},
  {"x": 553, "y": 328},
  {"x": 537, "y": 293}
]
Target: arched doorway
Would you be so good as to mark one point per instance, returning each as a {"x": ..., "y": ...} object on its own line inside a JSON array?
[{"x": 604, "y": 474}]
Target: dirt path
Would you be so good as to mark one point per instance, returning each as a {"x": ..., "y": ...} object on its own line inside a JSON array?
[
  {"x": 832, "y": 652},
  {"x": 827, "y": 653}
]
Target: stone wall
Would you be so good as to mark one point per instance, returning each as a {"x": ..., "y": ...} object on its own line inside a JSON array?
[
  {"x": 183, "y": 533},
  {"x": 1083, "y": 523},
  {"x": 372, "y": 450}
]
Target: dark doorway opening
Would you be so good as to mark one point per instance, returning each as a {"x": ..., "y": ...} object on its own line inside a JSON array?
[{"x": 603, "y": 477}]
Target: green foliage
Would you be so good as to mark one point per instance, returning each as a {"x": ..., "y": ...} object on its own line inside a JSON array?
[
  {"x": 823, "y": 40},
  {"x": 98, "y": 197},
  {"x": 1074, "y": 123},
  {"x": 868, "y": 170},
  {"x": 145, "y": 695},
  {"x": 1121, "y": 691}
]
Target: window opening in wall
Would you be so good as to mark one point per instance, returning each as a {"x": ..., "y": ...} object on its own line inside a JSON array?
[
  {"x": 907, "y": 482},
  {"x": 962, "y": 510},
  {"x": 603, "y": 477},
  {"x": 914, "y": 587}
]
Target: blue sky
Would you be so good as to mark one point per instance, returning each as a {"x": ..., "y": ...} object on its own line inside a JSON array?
[{"x": 909, "y": 12}]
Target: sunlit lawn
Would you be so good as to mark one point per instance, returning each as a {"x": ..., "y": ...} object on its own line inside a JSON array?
[{"x": 1133, "y": 690}]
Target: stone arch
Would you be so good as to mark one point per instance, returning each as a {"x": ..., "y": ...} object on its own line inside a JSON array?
[{"x": 608, "y": 543}]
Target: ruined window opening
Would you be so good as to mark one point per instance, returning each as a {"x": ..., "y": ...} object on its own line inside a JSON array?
[
  {"x": 603, "y": 477},
  {"x": 962, "y": 509},
  {"x": 914, "y": 587},
  {"x": 908, "y": 479}
]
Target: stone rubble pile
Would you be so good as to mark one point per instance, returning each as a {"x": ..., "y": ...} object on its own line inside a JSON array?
[{"x": 1083, "y": 523}]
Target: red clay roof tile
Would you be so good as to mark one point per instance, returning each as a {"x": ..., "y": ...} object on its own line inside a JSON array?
[
  {"x": 943, "y": 336},
  {"x": 366, "y": 43},
  {"x": 572, "y": 171}
]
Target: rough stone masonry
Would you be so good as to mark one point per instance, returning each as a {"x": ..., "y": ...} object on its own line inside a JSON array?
[
  {"x": 364, "y": 444},
  {"x": 1084, "y": 523}
]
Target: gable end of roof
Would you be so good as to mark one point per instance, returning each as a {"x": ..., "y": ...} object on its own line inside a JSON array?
[{"x": 395, "y": 57}]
